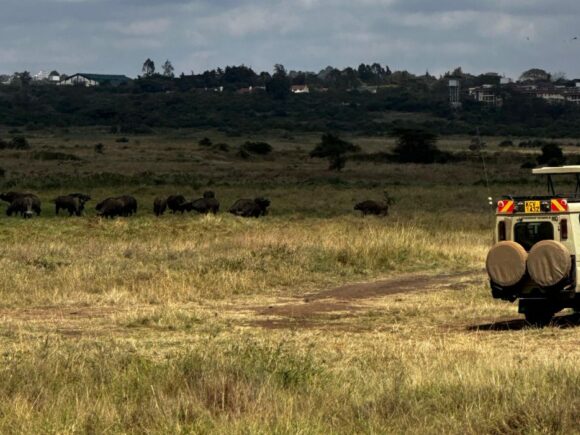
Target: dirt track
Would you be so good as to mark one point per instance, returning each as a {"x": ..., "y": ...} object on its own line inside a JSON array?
[{"x": 343, "y": 299}]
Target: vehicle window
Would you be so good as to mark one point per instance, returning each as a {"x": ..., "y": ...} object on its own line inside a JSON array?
[{"x": 528, "y": 234}]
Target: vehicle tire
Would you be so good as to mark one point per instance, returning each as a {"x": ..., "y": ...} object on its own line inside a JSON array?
[
  {"x": 549, "y": 263},
  {"x": 506, "y": 263},
  {"x": 539, "y": 318}
]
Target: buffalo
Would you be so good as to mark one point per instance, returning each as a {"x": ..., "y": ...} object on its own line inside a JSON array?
[
  {"x": 206, "y": 205},
  {"x": 128, "y": 205},
  {"x": 372, "y": 208},
  {"x": 159, "y": 206},
  {"x": 250, "y": 207},
  {"x": 23, "y": 205},
  {"x": 175, "y": 202},
  {"x": 111, "y": 208},
  {"x": 10, "y": 197},
  {"x": 74, "y": 203}
]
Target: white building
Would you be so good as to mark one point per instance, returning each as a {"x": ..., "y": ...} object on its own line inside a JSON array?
[{"x": 300, "y": 89}]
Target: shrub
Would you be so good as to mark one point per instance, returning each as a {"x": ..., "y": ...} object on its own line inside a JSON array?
[
  {"x": 2, "y": 172},
  {"x": 528, "y": 165},
  {"x": 52, "y": 155},
  {"x": 19, "y": 143},
  {"x": 222, "y": 147},
  {"x": 122, "y": 140},
  {"x": 335, "y": 150},
  {"x": 261, "y": 148},
  {"x": 99, "y": 148},
  {"x": 205, "y": 142},
  {"x": 418, "y": 146},
  {"x": 552, "y": 155},
  {"x": 506, "y": 143}
]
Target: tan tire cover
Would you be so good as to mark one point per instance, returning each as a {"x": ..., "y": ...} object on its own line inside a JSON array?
[
  {"x": 549, "y": 262},
  {"x": 506, "y": 263}
]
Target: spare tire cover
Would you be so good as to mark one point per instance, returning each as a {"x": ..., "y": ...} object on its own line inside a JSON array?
[
  {"x": 506, "y": 263},
  {"x": 549, "y": 262}
]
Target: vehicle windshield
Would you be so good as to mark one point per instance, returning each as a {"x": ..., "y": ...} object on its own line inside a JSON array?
[{"x": 528, "y": 234}]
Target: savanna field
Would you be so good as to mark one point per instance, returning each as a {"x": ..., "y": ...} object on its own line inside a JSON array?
[{"x": 197, "y": 324}]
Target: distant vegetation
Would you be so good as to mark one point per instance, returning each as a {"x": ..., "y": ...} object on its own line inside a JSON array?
[{"x": 365, "y": 100}]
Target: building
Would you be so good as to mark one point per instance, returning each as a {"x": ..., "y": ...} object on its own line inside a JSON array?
[
  {"x": 83, "y": 79},
  {"x": 300, "y": 89},
  {"x": 455, "y": 93},
  {"x": 486, "y": 94}
]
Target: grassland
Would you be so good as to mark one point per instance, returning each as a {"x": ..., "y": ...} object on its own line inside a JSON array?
[{"x": 217, "y": 324}]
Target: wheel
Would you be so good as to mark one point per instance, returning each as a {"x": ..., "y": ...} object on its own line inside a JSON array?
[{"x": 539, "y": 318}]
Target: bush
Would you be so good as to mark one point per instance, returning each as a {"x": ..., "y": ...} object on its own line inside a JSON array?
[
  {"x": 418, "y": 146},
  {"x": 52, "y": 155},
  {"x": 19, "y": 143},
  {"x": 528, "y": 165},
  {"x": 262, "y": 148},
  {"x": 122, "y": 140},
  {"x": 334, "y": 149},
  {"x": 222, "y": 147},
  {"x": 99, "y": 148},
  {"x": 552, "y": 155},
  {"x": 2, "y": 172},
  {"x": 205, "y": 142},
  {"x": 506, "y": 143}
]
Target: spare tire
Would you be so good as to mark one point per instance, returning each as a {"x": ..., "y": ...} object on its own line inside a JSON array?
[
  {"x": 549, "y": 263},
  {"x": 506, "y": 263}
]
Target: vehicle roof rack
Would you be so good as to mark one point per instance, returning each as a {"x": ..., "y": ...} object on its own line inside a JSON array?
[
  {"x": 559, "y": 170},
  {"x": 556, "y": 170}
]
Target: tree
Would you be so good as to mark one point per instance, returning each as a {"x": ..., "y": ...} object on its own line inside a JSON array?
[
  {"x": 24, "y": 78},
  {"x": 552, "y": 155},
  {"x": 279, "y": 86},
  {"x": 148, "y": 68},
  {"x": 416, "y": 146},
  {"x": 335, "y": 150},
  {"x": 167, "y": 69}
]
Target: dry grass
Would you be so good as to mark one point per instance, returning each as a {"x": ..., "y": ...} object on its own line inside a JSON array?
[{"x": 189, "y": 324}]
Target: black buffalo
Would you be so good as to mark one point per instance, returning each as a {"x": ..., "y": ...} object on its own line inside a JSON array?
[
  {"x": 74, "y": 203},
  {"x": 128, "y": 205},
  {"x": 10, "y": 197},
  {"x": 175, "y": 202},
  {"x": 372, "y": 208},
  {"x": 23, "y": 205},
  {"x": 111, "y": 208},
  {"x": 159, "y": 206},
  {"x": 250, "y": 207},
  {"x": 206, "y": 205}
]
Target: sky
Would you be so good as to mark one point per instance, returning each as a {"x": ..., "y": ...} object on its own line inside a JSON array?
[{"x": 116, "y": 36}]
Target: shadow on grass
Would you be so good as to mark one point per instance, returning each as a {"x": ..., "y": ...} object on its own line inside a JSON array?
[{"x": 564, "y": 322}]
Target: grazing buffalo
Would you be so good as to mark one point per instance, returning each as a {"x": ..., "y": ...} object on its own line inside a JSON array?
[
  {"x": 128, "y": 205},
  {"x": 10, "y": 197},
  {"x": 174, "y": 203},
  {"x": 373, "y": 208},
  {"x": 111, "y": 208},
  {"x": 159, "y": 206},
  {"x": 23, "y": 205},
  {"x": 206, "y": 205},
  {"x": 74, "y": 203},
  {"x": 250, "y": 207},
  {"x": 208, "y": 194}
]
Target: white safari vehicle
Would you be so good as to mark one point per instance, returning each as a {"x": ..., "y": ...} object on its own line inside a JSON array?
[{"x": 536, "y": 254}]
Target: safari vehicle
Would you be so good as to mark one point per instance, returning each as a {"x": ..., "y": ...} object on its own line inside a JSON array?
[{"x": 536, "y": 255}]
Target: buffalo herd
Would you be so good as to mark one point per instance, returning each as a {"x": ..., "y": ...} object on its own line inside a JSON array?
[{"x": 27, "y": 205}]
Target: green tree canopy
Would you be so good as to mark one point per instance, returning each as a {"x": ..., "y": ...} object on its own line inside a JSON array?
[{"x": 335, "y": 150}]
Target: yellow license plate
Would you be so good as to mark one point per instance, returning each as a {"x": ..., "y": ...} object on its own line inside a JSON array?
[{"x": 532, "y": 207}]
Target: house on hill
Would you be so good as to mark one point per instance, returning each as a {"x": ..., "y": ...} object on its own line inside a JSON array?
[
  {"x": 300, "y": 89},
  {"x": 83, "y": 79}
]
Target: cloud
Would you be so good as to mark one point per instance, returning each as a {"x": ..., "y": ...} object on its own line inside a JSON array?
[
  {"x": 142, "y": 28},
  {"x": 118, "y": 35}
]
